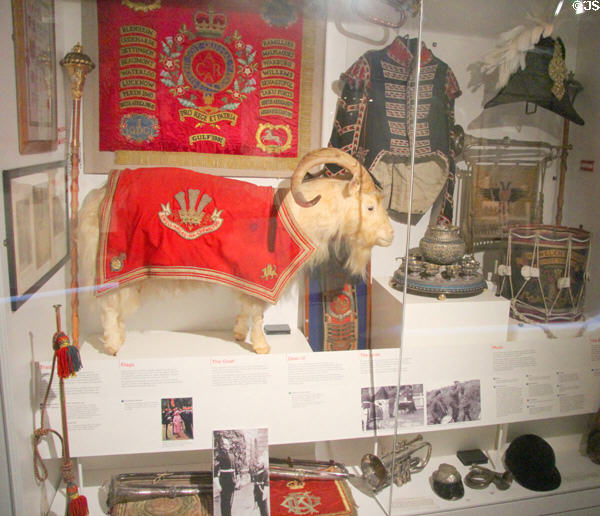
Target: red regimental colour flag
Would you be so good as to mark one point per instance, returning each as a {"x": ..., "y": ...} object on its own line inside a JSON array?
[{"x": 204, "y": 77}]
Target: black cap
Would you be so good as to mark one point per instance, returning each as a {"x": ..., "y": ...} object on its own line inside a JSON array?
[
  {"x": 532, "y": 462},
  {"x": 447, "y": 482}
]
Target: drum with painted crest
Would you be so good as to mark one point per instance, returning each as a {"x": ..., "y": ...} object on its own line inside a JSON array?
[{"x": 545, "y": 272}]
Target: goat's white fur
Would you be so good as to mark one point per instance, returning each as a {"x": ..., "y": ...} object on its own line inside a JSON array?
[{"x": 349, "y": 215}]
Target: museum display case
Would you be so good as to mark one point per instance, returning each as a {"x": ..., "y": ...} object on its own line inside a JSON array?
[{"x": 417, "y": 335}]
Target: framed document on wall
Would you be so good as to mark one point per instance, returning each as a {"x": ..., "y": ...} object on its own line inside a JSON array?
[
  {"x": 35, "y": 68},
  {"x": 35, "y": 204}
]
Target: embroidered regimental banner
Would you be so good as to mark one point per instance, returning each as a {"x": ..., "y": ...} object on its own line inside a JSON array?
[
  {"x": 311, "y": 497},
  {"x": 176, "y": 223},
  {"x": 227, "y": 80},
  {"x": 337, "y": 309}
]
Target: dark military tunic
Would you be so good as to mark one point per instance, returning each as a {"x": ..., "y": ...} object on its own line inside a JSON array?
[{"x": 375, "y": 119}]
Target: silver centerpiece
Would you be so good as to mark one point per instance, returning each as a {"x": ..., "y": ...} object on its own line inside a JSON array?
[
  {"x": 442, "y": 244},
  {"x": 439, "y": 266}
]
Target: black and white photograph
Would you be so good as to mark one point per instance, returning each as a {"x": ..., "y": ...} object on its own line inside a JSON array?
[
  {"x": 35, "y": 204},
  {"x": 454, "y": 403},
  {"x": 411, "y": 405},
  {"x": 241, "y": 472},
  {"x": 378, "y": 407},
  {"x": 177, "y": 415}
]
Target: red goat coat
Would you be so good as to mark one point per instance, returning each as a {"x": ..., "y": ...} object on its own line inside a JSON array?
[{"x": 177, "y": 223}]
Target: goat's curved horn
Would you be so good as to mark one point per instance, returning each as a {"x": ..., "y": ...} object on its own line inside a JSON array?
[{"x": 320, "y": 157}]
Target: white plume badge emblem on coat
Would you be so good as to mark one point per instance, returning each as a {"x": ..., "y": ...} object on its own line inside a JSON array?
[{"x": 192, "y": 219}]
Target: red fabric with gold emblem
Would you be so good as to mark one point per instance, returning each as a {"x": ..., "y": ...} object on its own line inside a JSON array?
[
  {"x": 176, "y": 223},
  {"x": 201, "y": 76},
  {"x": 314, "y": 497}
]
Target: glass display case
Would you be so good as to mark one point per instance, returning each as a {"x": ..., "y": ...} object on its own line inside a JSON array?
[{"x": 349, "y": 242}]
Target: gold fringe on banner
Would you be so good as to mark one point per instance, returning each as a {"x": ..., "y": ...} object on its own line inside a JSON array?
[
  {"x": 347, "y": 492},
  {"x": 205, "y": 160},
  {"x": 245, "y": 165}
]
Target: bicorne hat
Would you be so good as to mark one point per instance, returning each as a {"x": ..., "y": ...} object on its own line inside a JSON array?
[{"x": 543, "y": 82}]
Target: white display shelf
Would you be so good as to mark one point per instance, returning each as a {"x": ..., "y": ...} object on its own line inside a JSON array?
[
  {"x": 579, "y": 490},
  {"x": 165, "y": 344},
  {"x": 580, "y": 487},
  {"x": 334, "y": 406},
  {"x": 366, "y": 506},
  {"x": 479, "y": 319},
  {"x": 512, "y": 382}
]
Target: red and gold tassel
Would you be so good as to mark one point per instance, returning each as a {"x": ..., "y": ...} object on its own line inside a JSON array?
[
  {"x": 68, "y": 360},
  {"x": 78, "y": 505}
]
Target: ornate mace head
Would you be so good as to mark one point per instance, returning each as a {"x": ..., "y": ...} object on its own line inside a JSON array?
[{"x": 78, "y": 65}]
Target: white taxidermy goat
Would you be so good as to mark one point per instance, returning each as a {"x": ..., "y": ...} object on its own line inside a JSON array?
[{"x": 343, "y": 215}]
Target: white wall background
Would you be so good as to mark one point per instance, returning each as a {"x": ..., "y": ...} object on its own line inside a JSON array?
[
  {"x": 27, "y": 335},
  {"x": 457, "y": 31}
]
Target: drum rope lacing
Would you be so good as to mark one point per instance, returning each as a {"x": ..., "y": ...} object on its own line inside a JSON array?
[{"x": 531, "y": 273}]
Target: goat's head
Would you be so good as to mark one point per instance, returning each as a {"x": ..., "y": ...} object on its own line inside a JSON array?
[{"x": 364, "y": 222}]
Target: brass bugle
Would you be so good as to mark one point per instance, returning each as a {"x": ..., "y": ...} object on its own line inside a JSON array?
[
  {"x": 405, "y": 449},
  {"x": 378, "y": 471}
]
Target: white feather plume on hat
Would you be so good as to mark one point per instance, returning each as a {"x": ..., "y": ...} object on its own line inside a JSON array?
[{"x": 509, "y": 55}]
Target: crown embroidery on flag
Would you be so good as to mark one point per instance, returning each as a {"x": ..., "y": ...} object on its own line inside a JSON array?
[
  {"x": 210, "y": 70},
  {"x": 210, "y": 24}
]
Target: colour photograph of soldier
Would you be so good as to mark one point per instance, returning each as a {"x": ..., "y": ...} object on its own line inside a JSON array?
[
  {"x": 454, "y": 403},
  {"x": 177, "y": 417}
]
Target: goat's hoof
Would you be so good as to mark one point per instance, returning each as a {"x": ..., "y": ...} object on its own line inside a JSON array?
[
  {"x": 263, "y": 349},
  {"x": 111, "y": 349}
]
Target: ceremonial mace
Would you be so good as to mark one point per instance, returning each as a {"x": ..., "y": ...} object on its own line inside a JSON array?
[{"x": 78, "y": 65}]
